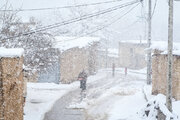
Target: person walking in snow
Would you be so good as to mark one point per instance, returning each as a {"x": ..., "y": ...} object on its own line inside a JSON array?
[{"x": 82, "y": 77}]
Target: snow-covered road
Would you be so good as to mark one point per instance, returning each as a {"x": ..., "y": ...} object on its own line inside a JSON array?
[
  {"x": 107, "y": 98},
  {"x": 61, "y": 112}
]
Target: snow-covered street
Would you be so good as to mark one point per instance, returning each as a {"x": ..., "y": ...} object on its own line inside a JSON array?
[
  {"x": 89, "y": 60},
  {"x": 107, "y": 98}
]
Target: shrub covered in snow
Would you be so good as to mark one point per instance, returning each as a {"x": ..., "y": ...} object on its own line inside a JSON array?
[
  {"x": 37, "y": 46},
  {"x": 157, "y": 108}
]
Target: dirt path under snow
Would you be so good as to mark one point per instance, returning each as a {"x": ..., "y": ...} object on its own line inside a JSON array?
[{"x": 60, "y": 110}]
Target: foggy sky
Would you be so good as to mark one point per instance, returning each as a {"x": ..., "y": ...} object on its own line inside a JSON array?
[{"x": 123, "y": 30}]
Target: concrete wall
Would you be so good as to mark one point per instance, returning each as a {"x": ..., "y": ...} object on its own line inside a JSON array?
[
  {"x": 132, "y": 55},
  {"x": 159, "y": 75},
  {"x": 11, "y": 88}
]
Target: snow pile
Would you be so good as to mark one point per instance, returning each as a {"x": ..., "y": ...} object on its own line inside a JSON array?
[
  {"x": 114, "y": 98},
  {"x": 126, "y": 107},
  {"x": 65, "y": 43},
  {"x": 11, "y": 52},
  {"x": 42, "y": 96},
  {"x": 150, "y": 111},
  {"x": 148, "y": 92}
]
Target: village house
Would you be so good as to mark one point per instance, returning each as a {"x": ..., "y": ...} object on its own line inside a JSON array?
[
  {"x": 159, "y": 69},
  {"x": 106, "y": 58},
  {"x": 76, "y": 54},
  {"x": 132, "y": 54}
]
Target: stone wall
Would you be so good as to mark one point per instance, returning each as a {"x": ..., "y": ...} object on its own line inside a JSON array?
[
  {"x": 72, "y": 62},
  {"x": 159, "y": 75},
  {"x": 11, "y": 88},
  {"x": 30, "y": 76}
]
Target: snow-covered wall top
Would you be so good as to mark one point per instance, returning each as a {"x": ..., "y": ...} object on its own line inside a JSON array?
[
  {"x": 134, "y": 41},
  {"x": 65, "y": 43},
  {"x": 11, "y": 52},
  {"x": 163, "y": 46}
]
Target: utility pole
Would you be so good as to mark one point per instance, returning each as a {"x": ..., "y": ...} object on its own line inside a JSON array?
[
  {"x": 170, "y": 57},
  {"x": 149, "y": 44}
]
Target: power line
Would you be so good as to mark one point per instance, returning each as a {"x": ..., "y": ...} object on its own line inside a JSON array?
[
  {"x": 154, "y": 8},
  {"x": 114, "y": 21},
  {"x": 63, "y": 7},
  {"x": 86, "y": 16},
  {"x": 89, "y": 15},
  {"x": 74, "y": 20}
]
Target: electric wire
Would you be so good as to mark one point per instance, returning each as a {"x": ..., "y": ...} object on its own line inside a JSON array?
[
  {"x": 90, "y": 15},
  {"x": 63, "y": 7},
  {"x": 72, "y": 20},
  {"x": 107, "y": 25}
]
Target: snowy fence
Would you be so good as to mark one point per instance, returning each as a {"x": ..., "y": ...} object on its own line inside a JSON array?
[
  {"x": 159, "y": 74},
  {"x": 11, "y": 88}
]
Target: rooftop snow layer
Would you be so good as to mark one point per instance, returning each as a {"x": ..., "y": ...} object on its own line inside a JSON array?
[
  {"x": 163, "y": 46},
  {"x": 112, "y": 52},
  {"x": 11, "y": 52},
  {"x": 65, "y": 43},
  {"x": 134, "y": 41}
]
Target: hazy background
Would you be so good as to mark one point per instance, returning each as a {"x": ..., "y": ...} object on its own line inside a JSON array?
[{"x": 131, "y": 27}]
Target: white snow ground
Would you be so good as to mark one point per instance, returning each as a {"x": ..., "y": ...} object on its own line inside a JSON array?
[
  {"x": 108, "y": 98},
  {"x": 41, "y": 97}
]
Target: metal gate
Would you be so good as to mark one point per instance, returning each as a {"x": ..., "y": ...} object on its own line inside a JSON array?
[{"x": 52, "y": 74}]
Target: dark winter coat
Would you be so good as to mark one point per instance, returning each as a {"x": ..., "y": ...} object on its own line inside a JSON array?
[{"x": 82, "y": 75}]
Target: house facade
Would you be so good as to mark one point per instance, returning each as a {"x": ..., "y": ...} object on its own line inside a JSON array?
[
  {"x": 132, "y": 54},
  {"x": 77, "y": 54},
  {"x": 106, "y": 58}
]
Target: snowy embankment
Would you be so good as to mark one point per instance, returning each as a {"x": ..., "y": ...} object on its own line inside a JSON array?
[
  {"x": 159, "y": 102},
  {"x": 42, "y": 96},
  {"x": 119, "y": 98},
  {"x": 127, "y": 99},
  {"x": 114, "y": 98}
]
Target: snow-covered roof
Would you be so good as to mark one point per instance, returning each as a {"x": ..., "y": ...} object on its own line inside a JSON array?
[
  {"x": 112, "y": 52},
  {"x": 65, "y": 43},
  {"x": 134, "y": 41},
  {"x": 163, "y": 46},
  {"x": 11, "y": 52}
]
